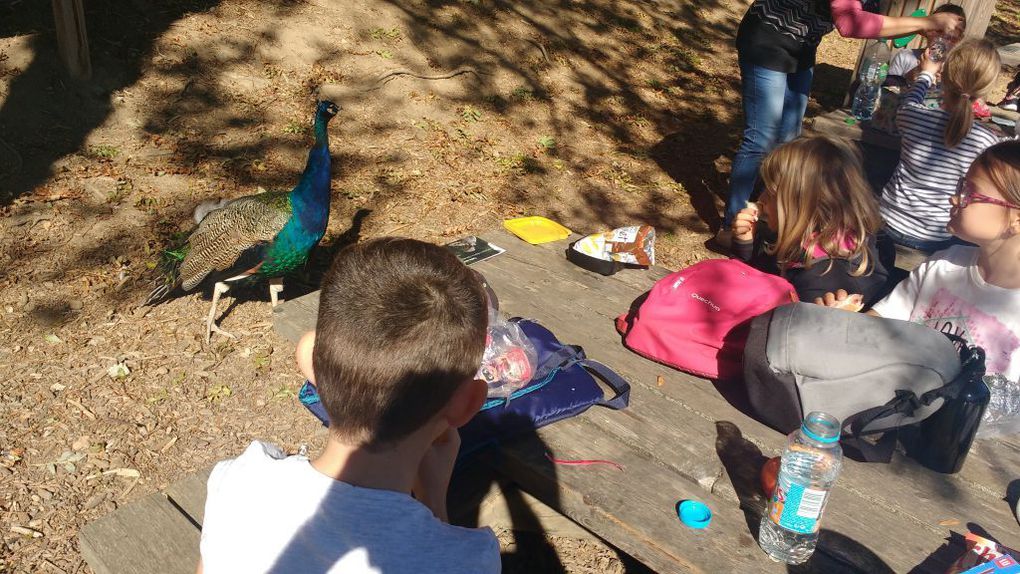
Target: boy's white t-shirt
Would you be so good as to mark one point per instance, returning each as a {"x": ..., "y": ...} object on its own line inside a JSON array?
[
  {"x": 948, "y": 294},
  {"x": 267, "y": 512}
]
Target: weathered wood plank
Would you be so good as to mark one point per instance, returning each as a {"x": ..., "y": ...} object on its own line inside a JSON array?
[
  {"x": 189, "y": 495},
  {"x": 835, "y": 123},
  {"x": 1010, "y": 54},
  {"x": 72, "y": 40},
  {"x": 908, "y": 259},
  {"x": 149, "y": 535},
  {"x": 979, "y": 15},
  {"x": 295, "y": 317}
]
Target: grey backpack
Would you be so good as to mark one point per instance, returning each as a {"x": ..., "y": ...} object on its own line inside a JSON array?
[{"x": 873, "y": 374}]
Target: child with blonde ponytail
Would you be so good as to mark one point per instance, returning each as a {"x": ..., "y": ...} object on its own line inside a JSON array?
[{"x": 938, "y": 146}]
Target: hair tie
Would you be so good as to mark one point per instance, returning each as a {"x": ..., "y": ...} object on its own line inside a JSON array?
[{"x": 965, "y": 95}]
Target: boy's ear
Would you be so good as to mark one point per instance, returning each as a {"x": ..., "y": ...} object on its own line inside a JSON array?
[
  {"x": 303, "y": 354},
  {"x": 465, "y": 402}
]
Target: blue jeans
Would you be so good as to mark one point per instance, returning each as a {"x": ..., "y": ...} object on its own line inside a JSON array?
[
  {"x": 774, "y": 105},
  {"x": 927, "y": 246}
]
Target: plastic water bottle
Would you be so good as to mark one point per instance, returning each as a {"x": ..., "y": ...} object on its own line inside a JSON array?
[
  {"x": 808, "y": 469},
  {"x": 874, "y": 69}
]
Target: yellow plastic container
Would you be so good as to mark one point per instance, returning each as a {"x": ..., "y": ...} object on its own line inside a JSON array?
[{"x": 536, "y": 229}]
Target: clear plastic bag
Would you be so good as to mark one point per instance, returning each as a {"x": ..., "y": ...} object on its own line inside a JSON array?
[
  {"x": 509, "y": 360},
  {"x": 508, "y": 363},
  {"x": 1002, "y": 416}
]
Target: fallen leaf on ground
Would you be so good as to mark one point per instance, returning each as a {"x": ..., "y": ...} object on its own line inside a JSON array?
[{"x": 123, "y": 472}]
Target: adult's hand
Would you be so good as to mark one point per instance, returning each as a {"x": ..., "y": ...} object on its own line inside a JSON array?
[{"x": 949, "y": 25}]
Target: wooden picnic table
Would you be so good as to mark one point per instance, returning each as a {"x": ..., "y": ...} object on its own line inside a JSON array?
[{"x": 681, "y": 438}]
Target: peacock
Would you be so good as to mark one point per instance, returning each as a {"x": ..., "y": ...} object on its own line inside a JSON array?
[{"x": 256, "y": 237}]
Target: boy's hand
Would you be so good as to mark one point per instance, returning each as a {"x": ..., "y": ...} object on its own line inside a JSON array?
[
  {"x": 743, "y": 224},
  {"x": 926, "y": 65},
  {"x": 842, "y": 300},
  {"x": 435, "y": 470}
]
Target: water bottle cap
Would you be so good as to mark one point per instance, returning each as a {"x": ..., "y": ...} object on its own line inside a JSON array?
[
  {"x": 694, "y": 514},
  {"x": 821, "y": 427}
]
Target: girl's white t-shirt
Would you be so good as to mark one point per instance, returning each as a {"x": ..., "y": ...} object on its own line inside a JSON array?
[{"x": 948, "y": 294}]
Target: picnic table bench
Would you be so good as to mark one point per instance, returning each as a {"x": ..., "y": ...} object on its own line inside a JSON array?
[{"x": 681, "y": 438}]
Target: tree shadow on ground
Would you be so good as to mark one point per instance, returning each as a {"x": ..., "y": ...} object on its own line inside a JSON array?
[
  {"x": 655, "y": 87},
  {"x": 46, "y": 115}
]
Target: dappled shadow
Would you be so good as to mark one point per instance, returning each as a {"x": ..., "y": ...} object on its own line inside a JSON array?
[
  {"x": 639, "y": 73},
  {"x": 206, "y": 110},
  {"x": 47, "y": 116}
]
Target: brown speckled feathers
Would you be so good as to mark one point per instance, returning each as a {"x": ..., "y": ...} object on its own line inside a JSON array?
[{"x": 226, "y": 233}]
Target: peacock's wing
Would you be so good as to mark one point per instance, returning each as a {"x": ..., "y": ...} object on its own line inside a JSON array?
[{"x": 231, "y": 241}]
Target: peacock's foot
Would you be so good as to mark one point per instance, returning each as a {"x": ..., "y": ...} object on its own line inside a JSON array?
[
  {"x": 275, "y": 288},
  {"x": 211, "y": 328}
]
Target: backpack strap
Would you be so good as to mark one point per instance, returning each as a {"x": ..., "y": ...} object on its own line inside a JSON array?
[
  {"x": 905, "y": 403},
  {"x": 621, "y": 388}
]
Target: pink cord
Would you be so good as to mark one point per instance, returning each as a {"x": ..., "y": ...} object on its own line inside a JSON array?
[{"x": 582, "y": 462}]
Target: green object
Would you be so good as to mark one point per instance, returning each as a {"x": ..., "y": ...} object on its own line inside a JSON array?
[
  {"x": 850, "y": 121},
  {"x": 903, "y": 41}
]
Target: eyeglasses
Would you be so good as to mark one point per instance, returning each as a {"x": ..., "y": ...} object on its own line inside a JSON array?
[{"x": 965, "y": 195}]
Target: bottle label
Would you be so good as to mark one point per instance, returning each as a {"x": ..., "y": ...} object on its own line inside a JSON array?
[{"x": 796, "y": 507}]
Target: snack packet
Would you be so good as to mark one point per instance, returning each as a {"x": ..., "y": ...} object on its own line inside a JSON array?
[
  {"x": 980, "y": 550},
  {"x": 633, "y": 245}
]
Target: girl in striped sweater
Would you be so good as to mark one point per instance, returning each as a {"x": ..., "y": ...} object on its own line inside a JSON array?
[{"x": 938, "y": 145}]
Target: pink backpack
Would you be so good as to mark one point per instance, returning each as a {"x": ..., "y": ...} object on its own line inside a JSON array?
[{"x": 697, "y": 319}]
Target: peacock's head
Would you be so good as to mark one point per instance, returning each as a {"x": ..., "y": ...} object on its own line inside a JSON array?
[{"x": 327, "y": 109}]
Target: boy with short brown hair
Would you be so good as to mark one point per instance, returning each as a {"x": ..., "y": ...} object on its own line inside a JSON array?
[{"x": 400, "y": 335}]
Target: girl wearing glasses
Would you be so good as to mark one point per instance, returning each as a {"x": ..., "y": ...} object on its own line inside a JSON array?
[
  {"x": 938, "y": 145},
  {"x": 972, "y": 291}
]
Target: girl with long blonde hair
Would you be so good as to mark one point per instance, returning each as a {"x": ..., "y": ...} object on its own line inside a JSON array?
[
  {"x": 938, "y": 145},
  {"x": 819, "y": 220}
]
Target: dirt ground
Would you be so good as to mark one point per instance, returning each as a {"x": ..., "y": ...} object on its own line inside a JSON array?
[{"x": 596, "y": 113}]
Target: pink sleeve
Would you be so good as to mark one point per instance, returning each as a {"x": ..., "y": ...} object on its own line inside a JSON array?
[{"x": 852, "y": 21}]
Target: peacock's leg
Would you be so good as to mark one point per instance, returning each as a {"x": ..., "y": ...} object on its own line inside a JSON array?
[
  {"x": 275, "y": 288},
  {"x": 210, "y": 323}
]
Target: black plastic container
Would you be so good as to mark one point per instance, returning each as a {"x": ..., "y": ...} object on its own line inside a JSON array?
[
  {"x": 593, "y": 264},
  {"x": 942, "y": 441}
]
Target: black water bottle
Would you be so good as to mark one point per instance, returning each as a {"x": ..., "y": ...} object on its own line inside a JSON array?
[{"x": 945, "y": 437}]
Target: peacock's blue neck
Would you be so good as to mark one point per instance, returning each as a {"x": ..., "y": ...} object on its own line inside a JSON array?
[{"x": 310, "y": 199}]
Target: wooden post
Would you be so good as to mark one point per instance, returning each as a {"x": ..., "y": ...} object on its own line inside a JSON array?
[{"x": 72, "y": 42}]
